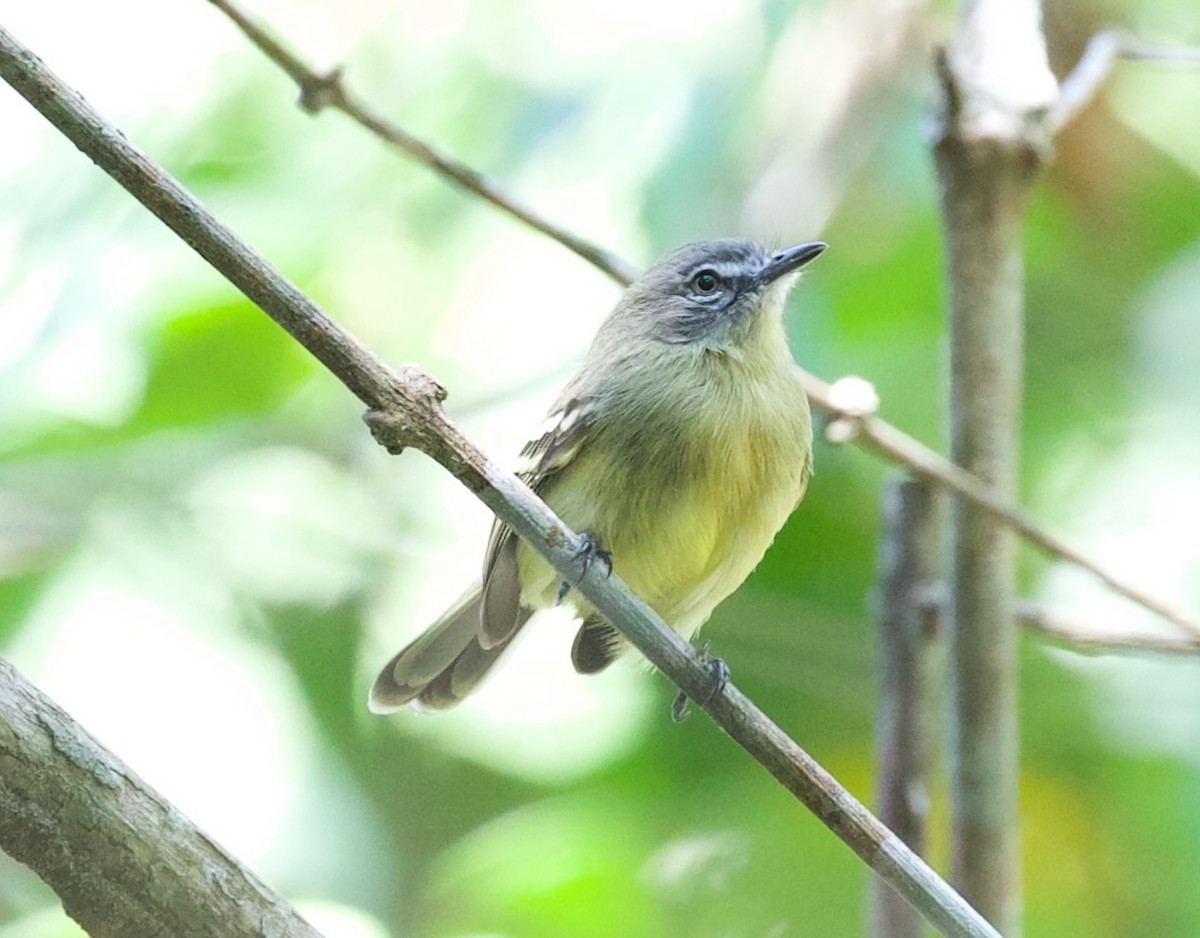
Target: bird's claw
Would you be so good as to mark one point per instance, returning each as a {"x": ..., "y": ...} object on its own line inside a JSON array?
[
  {"x": 588, "y": 552},
  {"x": 720, "y": 677}
]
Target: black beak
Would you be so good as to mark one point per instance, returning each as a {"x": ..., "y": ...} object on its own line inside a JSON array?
[{"x": 790, "y": 259}]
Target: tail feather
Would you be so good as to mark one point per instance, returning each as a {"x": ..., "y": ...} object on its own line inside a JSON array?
[
  {"x": 596, "y": 646},
  {"x": 442, "y": 665}
]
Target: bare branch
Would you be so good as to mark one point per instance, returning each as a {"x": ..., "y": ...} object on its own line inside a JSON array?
[
  {"x": 896, "y": 446},
  {"x": 406, "y": 410},
  {"x": 1080, "y": 87},
  {"x": 1086, "y": 638},
  {"x": 319, "y": 91},
  {"x": 908, "y": 723},
  {"x": 1077, "y": 635},
  {"x": 1090, "y": 72},
  {"x": 991, "y": 141},
  {"x": 1138, "y": 50},
  {"x": 123, "y": 860}
]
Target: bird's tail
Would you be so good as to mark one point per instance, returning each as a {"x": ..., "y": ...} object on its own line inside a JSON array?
[{"x": 443, "y": 664}]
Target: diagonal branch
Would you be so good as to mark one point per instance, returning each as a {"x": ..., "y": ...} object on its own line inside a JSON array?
[
  {"x": 124, "y": 861},
  {"x": 319, "y": 90},
  {"x": 406, "y": 407},
  {"x": 1087, "y": 638},
  {"x": 1103, "y": 50},
  {"x": 898, "y": 447},
  {"x": 1090, "y": 72}
]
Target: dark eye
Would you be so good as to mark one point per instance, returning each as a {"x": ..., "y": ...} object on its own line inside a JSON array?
[{"x": 706, "y": 282}]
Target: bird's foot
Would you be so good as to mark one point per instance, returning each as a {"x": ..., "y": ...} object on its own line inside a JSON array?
[
  {"x": 588, "y": 553},
  {"x": 720, "y": 677}
]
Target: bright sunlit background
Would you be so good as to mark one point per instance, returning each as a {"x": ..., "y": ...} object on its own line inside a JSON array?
[{"x": 204, "y": 557}]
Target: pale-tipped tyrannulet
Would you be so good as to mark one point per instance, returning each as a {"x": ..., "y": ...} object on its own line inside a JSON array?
[{"x": 682, "y": 446}]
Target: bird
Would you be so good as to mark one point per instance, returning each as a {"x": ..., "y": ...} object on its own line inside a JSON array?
[{"x": 678, "y": 450}]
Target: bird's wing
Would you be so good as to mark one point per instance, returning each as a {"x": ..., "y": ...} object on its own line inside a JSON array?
[{"x": 563, "y": 433}]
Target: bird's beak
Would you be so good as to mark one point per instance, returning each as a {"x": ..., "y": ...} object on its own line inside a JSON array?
[{"x": 790, "y": 259}]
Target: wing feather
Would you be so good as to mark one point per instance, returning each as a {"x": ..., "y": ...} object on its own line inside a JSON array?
[
  {"x": 564, "y": 432},
  {"x": 500, "y": 610}
]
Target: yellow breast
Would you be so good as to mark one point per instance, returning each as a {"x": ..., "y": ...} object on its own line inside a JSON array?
[{"x": 686, "y": 497}]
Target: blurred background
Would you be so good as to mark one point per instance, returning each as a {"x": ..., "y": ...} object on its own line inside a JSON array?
[{"x": 205, "y": 559}]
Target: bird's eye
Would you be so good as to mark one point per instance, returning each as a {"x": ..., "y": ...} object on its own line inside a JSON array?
[{"x": 706, "y": 282}]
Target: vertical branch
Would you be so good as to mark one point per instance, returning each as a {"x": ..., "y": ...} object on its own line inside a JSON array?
[
  {"x": 985, "y": 349},
  {"x": 908, "y": 720},
  {"x": 997, "y": 90}
]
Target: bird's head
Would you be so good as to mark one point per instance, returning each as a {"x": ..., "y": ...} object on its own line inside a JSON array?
[{"x": 714, "y": 293}]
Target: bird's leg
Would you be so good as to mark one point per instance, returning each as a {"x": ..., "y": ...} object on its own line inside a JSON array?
[
  {"x": 720, "y": 677},
  {"x": 588, "y": 552}
]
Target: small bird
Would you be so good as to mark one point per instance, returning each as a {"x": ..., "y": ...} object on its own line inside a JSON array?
[{"x": 679, "y": 450}]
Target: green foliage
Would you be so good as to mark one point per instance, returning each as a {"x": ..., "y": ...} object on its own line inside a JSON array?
[{"x": 215, "y": 362}]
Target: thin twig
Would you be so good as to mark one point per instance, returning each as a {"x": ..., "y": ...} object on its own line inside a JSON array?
[
  {"x": 1070, "y": 630},
  {"x": 406, "y": 410},
  {"x": 1139, "y": 50},
  {"x": 896, "y": 446},
  {"x": 318, "y": 91},
  {"x": 1103, "y": 50},
  {"x": 1083, "y": 83},
  {"x": 1085, "y": 638}
]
